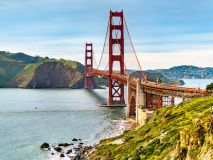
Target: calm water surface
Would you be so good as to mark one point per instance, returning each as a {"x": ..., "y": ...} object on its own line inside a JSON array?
[{"x": 61, "y": 115}]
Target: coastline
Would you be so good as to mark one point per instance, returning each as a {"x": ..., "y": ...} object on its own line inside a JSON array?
[
  {"x": 79, "y": 149},
  {"x": 88, "y": 154}
]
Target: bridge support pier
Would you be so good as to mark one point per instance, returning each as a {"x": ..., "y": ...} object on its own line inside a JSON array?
[
  {"x": 141, "y": 109},
  {"x": 88, "y": 66},
  {"x": 131, "y": 100},
  {"x": 116, "y": 89}
]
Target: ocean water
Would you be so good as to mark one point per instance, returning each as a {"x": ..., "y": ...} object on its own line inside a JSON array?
[
  {"x": 61, "y": 115},
  {"x": 29, "y": 117}
]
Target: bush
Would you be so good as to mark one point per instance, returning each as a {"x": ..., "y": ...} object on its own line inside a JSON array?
[{"x": 209, "y": 87}]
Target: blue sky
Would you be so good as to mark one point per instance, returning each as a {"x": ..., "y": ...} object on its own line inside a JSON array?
[{"x": 164, "y": 32}]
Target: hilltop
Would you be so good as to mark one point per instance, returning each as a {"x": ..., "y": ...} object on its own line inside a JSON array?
[
  {"x": 171, "y": 133},
  {"x": 155, "y": 76},
  {"x": 186, "y": 72},
  {"x": 21, "y": 70}
]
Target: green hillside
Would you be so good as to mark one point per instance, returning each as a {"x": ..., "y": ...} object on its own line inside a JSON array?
[
  {"x": 9, "y": 71},
  {"x": 5, "y": 58},
  {"x": 72, "y": 64},
  {"x": 24, "y": 57},
  {"x": 18, "y": 69},
  {"x": 172, "y": 133}
]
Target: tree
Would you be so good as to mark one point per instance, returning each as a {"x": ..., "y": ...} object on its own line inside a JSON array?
[{"x": 209, "y": 87}]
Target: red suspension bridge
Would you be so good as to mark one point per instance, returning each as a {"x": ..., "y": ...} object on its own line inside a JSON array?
[{"x": 117, "y": 56}]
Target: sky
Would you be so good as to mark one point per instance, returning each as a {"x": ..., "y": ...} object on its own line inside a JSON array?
[{"x": 165, "y": 33}]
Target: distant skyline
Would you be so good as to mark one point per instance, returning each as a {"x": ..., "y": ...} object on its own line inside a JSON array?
[{"x": 165, "y": 33}]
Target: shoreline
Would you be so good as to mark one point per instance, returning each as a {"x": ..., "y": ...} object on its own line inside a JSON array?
[
  {"x": 81, "y": 150},
  {"x": 85, "y": 154}
]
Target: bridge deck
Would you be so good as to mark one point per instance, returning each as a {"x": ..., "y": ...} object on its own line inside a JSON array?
[{"x": 155, "y": 88}]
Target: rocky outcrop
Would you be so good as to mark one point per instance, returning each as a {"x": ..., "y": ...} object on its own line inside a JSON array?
[
  {"x": 45, "y": 145},
  {"x": 195, "y": 142},
  {"x": 152, "y": 76},
  {"x": 54, "y": 75},
  {"x": 50, "y": 75},
  {"x": 24, "y": 71}
]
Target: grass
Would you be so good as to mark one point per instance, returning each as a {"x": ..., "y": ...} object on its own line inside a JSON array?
[
  {"x": 72, "y": 64},
  {"x": 9, "y": 71},
  {"x": 147, "y": 143},
  {"x": 5, "y": 58}
]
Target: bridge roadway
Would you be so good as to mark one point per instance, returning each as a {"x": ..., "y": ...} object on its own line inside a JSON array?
[{"x": 154, "y": 87}]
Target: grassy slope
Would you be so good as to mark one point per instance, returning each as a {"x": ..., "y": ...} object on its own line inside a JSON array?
[
  {"x": 24, "y": 57},
  {"x": 9, "y": 71},
  {"x": 5, "y": 58},
  {"x": 72, "y": 64},
  {"x": 145, "y": 143}
]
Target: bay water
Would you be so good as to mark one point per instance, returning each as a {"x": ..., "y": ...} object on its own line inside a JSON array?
[{"x": 29, "y": 117}]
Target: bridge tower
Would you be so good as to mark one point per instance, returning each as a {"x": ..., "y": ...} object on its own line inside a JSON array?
[
  {"x": 116, "y": 89},
  {"x": 88, "y": 65}
]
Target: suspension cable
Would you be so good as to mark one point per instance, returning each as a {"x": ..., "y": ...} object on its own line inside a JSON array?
[
  {"x": 103, "y": 46},
  {"x": 93, "y": 56},
  {"x": 133, "y": 47}
]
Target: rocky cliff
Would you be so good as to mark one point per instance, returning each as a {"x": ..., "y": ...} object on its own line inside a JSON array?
[
  {"x": 49, "y": 75},
  {"x": 55, "y": 75},
  {"x": 182, "y": 132}
]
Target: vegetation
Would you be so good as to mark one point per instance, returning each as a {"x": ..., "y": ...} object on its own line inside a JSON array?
[
  {"x": 19, "y": 67},
  {"x": 25, "y": 58},
  {"x": 5, "y": 58},
  {"x": 177, "y": 82},
  {"x": 159, "y": 138},
  {"x": 8, "y": 71},
  {"x": 209, "y": 87}
]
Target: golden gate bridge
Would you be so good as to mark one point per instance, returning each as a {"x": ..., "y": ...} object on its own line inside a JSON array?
[{"x": 118, "y": 55}]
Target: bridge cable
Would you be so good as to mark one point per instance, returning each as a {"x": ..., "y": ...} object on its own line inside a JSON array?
[
  {"x": 103, "y": 46},
  {"x": 133, "y": 47},
  {"x": 93, "y": 55}
]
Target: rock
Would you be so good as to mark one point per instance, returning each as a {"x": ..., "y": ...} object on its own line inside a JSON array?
[
  {"x": 80, "y": 139},
  {"x": 81, "y": 143},
  {"x": 75, "y": 139},
  {"x": 58, "y": 149},
  {"x": 45, "y": 145},
  {"x": 71, "y": 144},
  {"x": 79, "y": 146},
  {"x": 64, "y": 144},
  {"x": 69, "y": 151},
  {"x": 52, "y": 153},
  {"x": 62, "y": 155}
]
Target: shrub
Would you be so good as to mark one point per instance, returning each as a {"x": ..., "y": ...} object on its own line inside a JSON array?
[{"x": 209, "y": 87}]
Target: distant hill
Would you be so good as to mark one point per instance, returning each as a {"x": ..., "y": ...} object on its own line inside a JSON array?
[
  {"x": 22, "y": 70},
  {"x": 155, "y": 76},
  {"x": 186, "y": 72}
]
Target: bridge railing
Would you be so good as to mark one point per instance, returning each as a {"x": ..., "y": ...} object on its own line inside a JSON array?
[{"x": 154, "y": 84}]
